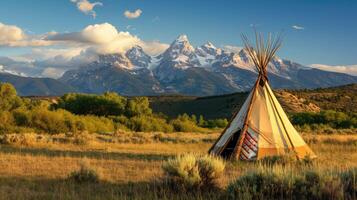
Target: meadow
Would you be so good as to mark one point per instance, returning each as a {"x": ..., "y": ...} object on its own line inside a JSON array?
[
  {"x": 34, "y": 166},
  {"x": 107, "y": 146}
]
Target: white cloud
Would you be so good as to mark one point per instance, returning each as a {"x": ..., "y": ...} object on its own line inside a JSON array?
[
  {"x": 154, "y": 47},
  {"x": 296, "y": 27},
  {"x": 133, "y": 15},
  {"x": 14, "y": 36},
  {"x": 9, "y": 33},
  {"x": 87, "y": 7},
  {"x": 233, "y": 49},
  {"x": 347, "y": 69},
  {"x": 105, "y": 38}
]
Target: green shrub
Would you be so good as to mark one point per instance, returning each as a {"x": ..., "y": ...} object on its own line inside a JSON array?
[
  {"x": 349, "y": 182},
  {"x": 138, "y": 106},
  {"x": 9, "y": 99},
  {"x": 260, "y": 185},
  {"x": 7, "y": 122},
  {"x": 325, "y": 120},
  {"x": 191, "y": 172},
  {"x": 274, "y": 184},
  {"x": 315, "y": 185},
  {"x": 89, "y": 104},
  {"x": 185, "y": 123},
  {"x": 85, "y": 174},
  {"x": 145, "y": 123}
]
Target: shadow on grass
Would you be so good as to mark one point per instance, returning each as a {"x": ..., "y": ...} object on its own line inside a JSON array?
[
  {"x": 22, "y": 188},
  {"x": 89, "y": 154}
]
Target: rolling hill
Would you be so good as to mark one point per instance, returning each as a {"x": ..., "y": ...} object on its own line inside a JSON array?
[{"x": 28, "y": 86}]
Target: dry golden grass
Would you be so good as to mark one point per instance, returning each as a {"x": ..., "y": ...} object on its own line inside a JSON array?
[{"x": 37, "y": 168}]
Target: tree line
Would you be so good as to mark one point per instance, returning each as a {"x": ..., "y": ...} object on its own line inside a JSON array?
[{"x": 93, "y": 113}]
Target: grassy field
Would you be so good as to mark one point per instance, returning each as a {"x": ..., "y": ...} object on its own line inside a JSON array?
[{"x": 38, "y": 168}]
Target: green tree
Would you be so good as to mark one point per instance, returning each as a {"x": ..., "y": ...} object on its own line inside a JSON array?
[
  {"x": 9, "y": 99},
  {"x": 138, "y": 106}
]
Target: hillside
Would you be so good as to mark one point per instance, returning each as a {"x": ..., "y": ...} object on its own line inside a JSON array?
[
  {"x": 222, "y": 106},
  {"x": 342, "y": 98},
  {"x": 27, "y": 86}
]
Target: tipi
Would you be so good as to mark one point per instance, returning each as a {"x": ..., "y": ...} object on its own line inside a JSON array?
[{"x": 260, "y": 128}]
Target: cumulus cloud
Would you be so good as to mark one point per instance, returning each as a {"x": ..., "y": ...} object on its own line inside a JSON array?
[
  {"x": 87, "y": 7},
  {"x": 347, "y": 69},
  {"x": 14, "y": 36},
  {"x": 10, "y": 33},
  {"x": 133, "y": 15},
  {"x": 296, "y": 27},
  {"x": 105, "y": 38}
]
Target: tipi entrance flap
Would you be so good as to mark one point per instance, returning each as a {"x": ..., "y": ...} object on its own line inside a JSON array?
[{"x": 235, "y": 125}]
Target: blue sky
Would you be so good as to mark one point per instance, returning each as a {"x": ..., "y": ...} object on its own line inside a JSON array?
[{"x": 327, "y": 35}]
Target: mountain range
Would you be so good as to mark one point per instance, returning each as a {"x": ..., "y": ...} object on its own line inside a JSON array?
[{"x": 184, "y": 69}]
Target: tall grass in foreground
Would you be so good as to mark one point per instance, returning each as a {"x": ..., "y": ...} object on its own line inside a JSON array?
[
  {"x": 39, "y": 169},
  {"x": 279, "y": 182}
]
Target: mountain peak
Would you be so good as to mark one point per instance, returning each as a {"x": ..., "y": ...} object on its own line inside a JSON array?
[
  {"x": 209, "y": 45},
  {"x": 182, "y": 38},
  {"x": 180, "y": 46},
  {"x": 138, "y": 57}
]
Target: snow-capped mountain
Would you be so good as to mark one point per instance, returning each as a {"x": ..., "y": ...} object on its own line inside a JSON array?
[{"x": 182, "y": 68}]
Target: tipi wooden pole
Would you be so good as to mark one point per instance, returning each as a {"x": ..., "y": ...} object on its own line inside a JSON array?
[{"x": 238, "y": 147}]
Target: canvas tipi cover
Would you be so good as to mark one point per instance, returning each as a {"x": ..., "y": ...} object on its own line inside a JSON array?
[{"x": 260, "y": 128}]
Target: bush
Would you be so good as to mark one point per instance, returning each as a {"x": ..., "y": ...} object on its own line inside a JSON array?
[
  {"x": 190, "y": 172},
  {"x": 7, "y": 122},
  {"x": 325, "y": 120},
  {"x": 89, "y": 104},
  {"x": 259, "y": 185},
  {"x": 185, "y": 123},
  {"x": 349, "y": 182},
  {"x": 315, "y": 185},
  {"x": 86, "y": 174},
  {"x": 216, "y": 123},
  {"x": 148, "y": 123},
  {"x": 20, "y": 139},
  {"x": 9, "y": 99},
  {"x": 274, "y": 184},
  {"x": 138, "y": 106}
]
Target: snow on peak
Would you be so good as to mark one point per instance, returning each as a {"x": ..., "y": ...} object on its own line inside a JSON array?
[
  {"x": 207, "y": 54},
  {"x": 182, "y": 38},
  {"x": 181, "y": 44},
  {"x": 181, "y": 53},
  {"x": 3, "y": 70},
  {"x": 209, "y": 45},
  {"x": 117, "y": 60},
  {"x": 138, "y": 57}
]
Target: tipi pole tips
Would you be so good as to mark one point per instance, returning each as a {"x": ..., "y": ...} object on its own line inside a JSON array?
[{"x": 263, "y": 51}]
